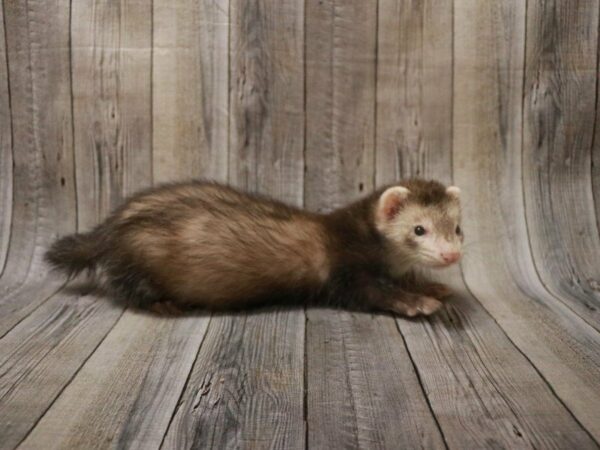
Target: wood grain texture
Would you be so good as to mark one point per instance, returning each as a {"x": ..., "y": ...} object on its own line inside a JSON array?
[
  {"x": 489, "y": 55},
  {"x": 340, "y": 104},
  {"x": 267, "y": 97},
  {"x": 43, "y": 192},
  {"x": 190, "y": 89},
  {"x": 313, "y": 102},
  {"x": 362, "y": 391},
  {"x": 246, "y": 387},
  {"x": 43, "y": 353},
  {"x": 595, "y": 151},
  {"x": 125, "y": 394},
  {"x": 483, "y": 392},
  {"x": 558, "y": 124},
  {"x": 6, "y": 159},
  {"x": 111, "y": 49},
  {"x": 414, "y": 90}
]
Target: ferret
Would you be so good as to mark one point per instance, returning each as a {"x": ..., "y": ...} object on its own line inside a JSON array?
[{"x": 208, "y": 245}]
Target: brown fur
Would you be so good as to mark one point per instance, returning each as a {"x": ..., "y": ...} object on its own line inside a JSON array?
[{"x": 205, "y": 244}]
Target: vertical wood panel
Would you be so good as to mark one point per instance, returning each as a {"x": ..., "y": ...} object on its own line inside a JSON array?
[
  {"x": 414, "y": 90},
  {"x": 340, "y": 100},
  {"x": 190, "y": 87},
  {"x": 6, "y": 161},
  {"x": 560, "y": 82},
  {"x": 488, "y": 94},
  {"x": 267, "y": 97},
  {"x": 37, "y": 37},
  {"x": 595, "y": 150},
  {"x": 111, "y": 47}
]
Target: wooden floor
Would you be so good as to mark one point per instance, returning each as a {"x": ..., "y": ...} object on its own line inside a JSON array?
[
  {"x": 315, "y": 102},
  {"x": 510, "y": 368}
]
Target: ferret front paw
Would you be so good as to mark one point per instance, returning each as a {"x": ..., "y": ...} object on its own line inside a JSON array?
[
  {"x": 428, "y": 305},
  {"x": 422, "y": 305}
]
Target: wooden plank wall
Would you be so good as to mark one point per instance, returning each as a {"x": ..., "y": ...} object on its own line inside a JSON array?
[{"x": 314, "y": 102}]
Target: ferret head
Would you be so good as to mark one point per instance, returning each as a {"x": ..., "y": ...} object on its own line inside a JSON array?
[{"x": 421, "y": 222}]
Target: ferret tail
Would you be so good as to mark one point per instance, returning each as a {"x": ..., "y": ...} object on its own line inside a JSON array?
[{"x": 74, "y": 253}]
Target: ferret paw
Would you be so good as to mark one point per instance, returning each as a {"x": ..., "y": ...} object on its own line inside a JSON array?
[
  {"x": 423, "y": 305},
  {"x": 428, "y": 305},
  {"x": 438, "y": 290}
]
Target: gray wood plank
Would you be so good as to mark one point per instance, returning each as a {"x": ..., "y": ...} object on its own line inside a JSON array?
[
  {"x": 483, "y": 391},
  {"x": 595, "y": 162},
  {"x": 42, "y": 354},
  {"x": 246, "y": 388},
  {"x": 414, "y": 90},
  {"x": 190, "y": 89},
  {"x": 6, "y": 160},
  {"x": 340, "y": 101},
  {"x": 267, "y": 97},
  {"x": 559, "y": 110},
  {"x": 362, "y": 390},
  {"x": 43, "y": 191},
  {"x": 498, "y": 266},
  {"x": 124, "y": 395},
  {"x": 111, "y": 51}
]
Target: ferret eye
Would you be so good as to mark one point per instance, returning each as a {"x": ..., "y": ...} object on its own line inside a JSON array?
[
  {"x": 419, "y": 230},
  {"x": 458, "y": 230}
]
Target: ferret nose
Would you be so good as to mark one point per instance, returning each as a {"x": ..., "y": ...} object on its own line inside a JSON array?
[{"x": 450, "y": 257}]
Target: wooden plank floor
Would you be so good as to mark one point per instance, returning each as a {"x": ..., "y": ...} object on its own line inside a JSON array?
[
  {"x": 315, "y": 102},
  {"x": 78, "y": 372}
]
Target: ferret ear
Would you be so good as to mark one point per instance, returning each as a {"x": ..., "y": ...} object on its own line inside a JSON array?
[
  {"x": 391, "y": 201},
  {"x": 453, "y": 192}
]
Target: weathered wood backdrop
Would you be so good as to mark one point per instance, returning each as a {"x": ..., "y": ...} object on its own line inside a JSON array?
[{"x": 314, "y": 102}]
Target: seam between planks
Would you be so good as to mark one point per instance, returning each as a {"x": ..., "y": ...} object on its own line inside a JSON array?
[
  {"x": 185, "y": 385},
  {"x": 83, "y": 363},
  {"x": 228, "y": 175},
  {"x": 423, "y": 391},
  {"x": 594, "y": 127},
  {"x": 151, "y": 87},
  {"x": 452, "y": 84},
  {"x": 305, "y": 381},
  {"x": 304, "y": 108},
  {"x": 12, "y": 135},
  {"x": 304, "y": 170},
  {"x": 72, "y": 98},
  {"x": 541, "y": 375},
  {"x": 375, "y": 97}
]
